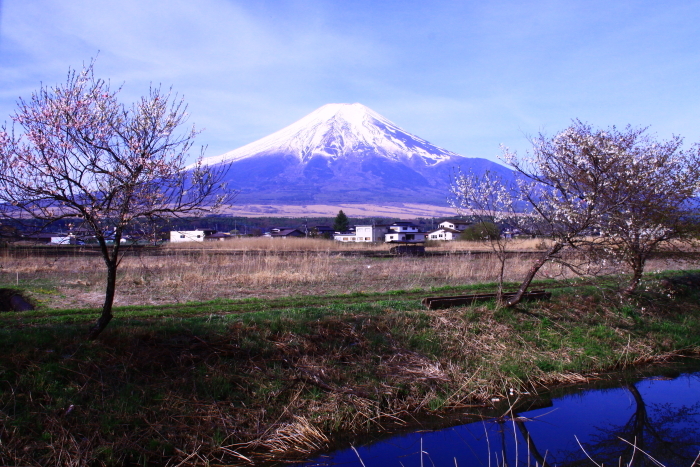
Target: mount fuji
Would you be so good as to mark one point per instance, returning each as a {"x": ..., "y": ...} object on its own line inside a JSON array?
[{"x": 344, "y": 153}]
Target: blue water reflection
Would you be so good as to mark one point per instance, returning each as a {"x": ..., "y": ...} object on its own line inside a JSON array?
[{"x": 659, "y": 415}]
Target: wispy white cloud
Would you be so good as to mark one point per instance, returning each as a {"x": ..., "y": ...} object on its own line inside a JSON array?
[{"x": 464, "y": 75}]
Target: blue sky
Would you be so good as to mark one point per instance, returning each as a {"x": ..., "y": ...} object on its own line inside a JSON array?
[{"x": 465, "y": 75}]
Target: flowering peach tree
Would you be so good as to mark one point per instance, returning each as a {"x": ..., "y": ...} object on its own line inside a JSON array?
[
  {"x": 651, "y": 200},
  {"x": 621, "y": 194},
  {"x": 74, "y": 151}
]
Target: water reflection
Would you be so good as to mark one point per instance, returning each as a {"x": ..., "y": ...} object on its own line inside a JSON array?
[
  {"x": 659, "y": 416},
  {"x": 668, "y": 429}
]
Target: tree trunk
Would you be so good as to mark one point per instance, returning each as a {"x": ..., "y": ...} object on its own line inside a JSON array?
[
  {"x": 531, "y": 448},
  {"x": 106, "y": 315},
  {"x": 553, "y": 250},
  {"x": 499, "y": 292},
  {"x": 637, "y": 272},
  {"x": 640, "y": 417}
]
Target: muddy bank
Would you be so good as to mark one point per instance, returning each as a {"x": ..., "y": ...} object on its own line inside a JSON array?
[{"x": 14, "y": 300}]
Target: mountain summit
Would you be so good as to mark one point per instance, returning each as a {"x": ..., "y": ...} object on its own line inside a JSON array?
[
  {"x": 340, "y": 130},
  {"x": 344, "y": 153}
]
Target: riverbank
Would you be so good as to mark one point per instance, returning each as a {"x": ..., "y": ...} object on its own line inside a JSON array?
[{"x": 236, "y": 380}]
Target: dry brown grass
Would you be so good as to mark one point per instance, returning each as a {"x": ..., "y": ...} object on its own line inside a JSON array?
[
  {"x": 318, "y": 244},
  {"x": 277, "y": 244},
  {"x": 518, "y": 244},
  {"x": 296, "y": 438},
  {"x": 266, "y": 268}
]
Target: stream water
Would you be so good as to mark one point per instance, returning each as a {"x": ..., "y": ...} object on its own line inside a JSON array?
[{"x": 660, "y": 415}]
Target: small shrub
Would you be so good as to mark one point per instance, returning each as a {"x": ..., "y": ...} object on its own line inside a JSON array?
[{"x": 480, "y": 232}]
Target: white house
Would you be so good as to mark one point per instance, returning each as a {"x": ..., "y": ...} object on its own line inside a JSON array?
[
  {"x": 284, "y": 233},
  {"x": 510, "y": 232},
  {"x": 179, "y": 236},
  {"x": 404, "y": 232},
  {"x": 370, "y": 233},
  {"x": 60, "y": 240},
  {"x": 454, "y": 224},
  {"x": 396, "y": 232},
  {"x": 444, "y": 233},
  {"x": 344, "y": 237}
]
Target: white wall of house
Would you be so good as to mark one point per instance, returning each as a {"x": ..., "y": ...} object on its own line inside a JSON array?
[
  {"x": 404, "y": 232},
  {"x": 404, "y": 237},
  {"x": 455, "y": 225},
  {"x": 443, "y": 234},
  {"x": 345, "y": 238},
  {"x": 364, "y": 233},
  {"x": 60, "y": 240},
  {"x": 179, "y": 236},
  {"x": 370, "y": 233},
  {"x": 403, "y": 228},
  {"x": 385, "y": 233}
]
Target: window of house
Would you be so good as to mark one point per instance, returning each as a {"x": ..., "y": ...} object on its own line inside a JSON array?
[{"x": 182, "y": 236}]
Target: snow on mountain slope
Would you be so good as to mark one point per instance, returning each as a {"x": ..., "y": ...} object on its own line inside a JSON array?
[
  {"x": 336, "y": 130},
  {"x": 344, "y": 153}
]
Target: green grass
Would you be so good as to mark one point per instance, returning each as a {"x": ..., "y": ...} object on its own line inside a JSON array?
[
  {"x": 162, "y": 381},
  {"x": 226, "y": 306}
]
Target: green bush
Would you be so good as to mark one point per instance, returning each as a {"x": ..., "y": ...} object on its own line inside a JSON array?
[{"x": 480, "y": 232}]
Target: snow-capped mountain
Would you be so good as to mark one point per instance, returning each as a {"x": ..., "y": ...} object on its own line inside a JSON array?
[{"x": 344, "y": 153}]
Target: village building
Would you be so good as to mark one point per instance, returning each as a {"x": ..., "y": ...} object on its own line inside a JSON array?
[
  {"x": 370, "y": 233},
  {"x": 455, "y": 224},
  {"x": 322, "y": 231},
  {"x": 284, "y": 233},
  {"x": 404, "y": 232},
  {"x": 52, "y": 238},
  {"x": 443, "y": 234},
  {"x": 510, "y": 232},
  {"x": 179, "y": 236},
  {"x": 218, "y": 237},
  {"x": 344, "y": 237},
  {"x": 60, "y": 239},
  {"x": 396, "y": 232}
]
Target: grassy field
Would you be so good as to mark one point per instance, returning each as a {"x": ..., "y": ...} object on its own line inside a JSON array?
[
  {"x": 277, "y": 376},
  {"x": 265, "y": 268}
]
